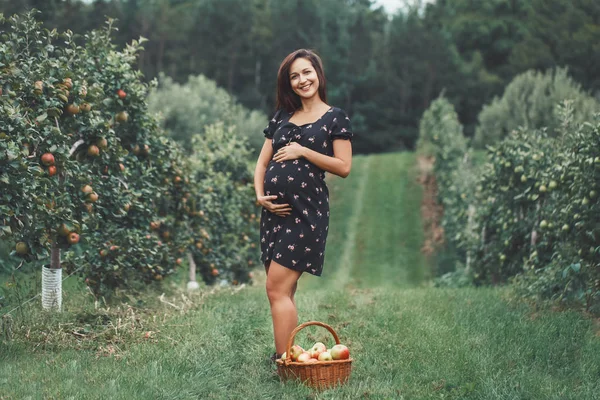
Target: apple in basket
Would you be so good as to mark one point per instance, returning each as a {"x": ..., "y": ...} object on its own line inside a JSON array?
[
  {"x": 317, "y": 349},
  {"x": 325, "y": 356},
  {"x": 340, "y": 352},
  {"x": 295, "y": 351},
  {"x": 304, "y": 357}
]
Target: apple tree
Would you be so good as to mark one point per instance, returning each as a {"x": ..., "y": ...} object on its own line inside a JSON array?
[
  {"x": 225, "y": 218},
  {"x": 83, "y": 159}
]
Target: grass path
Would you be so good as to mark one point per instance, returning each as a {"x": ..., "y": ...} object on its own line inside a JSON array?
[
  {"x": 344, "y": 265},
  {"x": 409, "y": 340}
]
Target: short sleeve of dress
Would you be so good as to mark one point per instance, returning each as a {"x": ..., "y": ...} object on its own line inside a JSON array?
[
  {"x": 269, "y": 131},
  {"x": 341, "y": 128}
]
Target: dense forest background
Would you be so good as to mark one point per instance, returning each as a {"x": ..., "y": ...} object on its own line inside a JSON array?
[{"x": 385, "y": 70}]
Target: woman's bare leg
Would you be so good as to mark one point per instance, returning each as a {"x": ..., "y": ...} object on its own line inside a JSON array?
[
  {"x": 293, "y": 290},
  {"x": 281, "y": 286}
]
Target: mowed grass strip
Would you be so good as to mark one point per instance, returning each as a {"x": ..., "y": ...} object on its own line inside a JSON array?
[
  {"x": 344, "y": 199},
  {"x": 413, "y": 343},
  {"x": 387, "y": 249},
  {"x": 407, "y": 342}
]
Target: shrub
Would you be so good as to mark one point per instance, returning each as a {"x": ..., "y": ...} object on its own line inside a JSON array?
[
  {"x": 227, "y": 232},
  {"x": 189, "y": 108},
  {"x": 529, "y": 215},
  {"x": 529, "y": 101},
  {"x": 441, "y": 136},
  {"x": 82, "y": 110}
]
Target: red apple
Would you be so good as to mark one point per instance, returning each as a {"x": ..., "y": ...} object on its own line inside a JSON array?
[
  {"x": 340, "y": 352},
  {"x": 73, "y": 238},
  {"x": 311, "y": 361},
  {"x": 93, "y": 151},
  {"x": 68, "y": 83},
  {"x": 52, "y": 170},
  {"x": 47, "y": 159},
  {"x": 73, "y": 109},
  {"x": 295, "y": 351},
  {"x": 325, "y": 356},
  {"x": 87, "y": 189},
  {"x": 303, "y": 357},
  {"x": 121, "y": 93},
  {"x": 317, "y": 349}
]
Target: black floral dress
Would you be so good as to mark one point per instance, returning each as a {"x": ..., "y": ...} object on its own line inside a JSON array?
[{"x": 297, "y": 241}]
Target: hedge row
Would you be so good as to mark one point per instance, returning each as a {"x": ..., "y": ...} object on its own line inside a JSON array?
[
  {"x": 87, "y": 174},
  {"x": 529, "y": 214}
]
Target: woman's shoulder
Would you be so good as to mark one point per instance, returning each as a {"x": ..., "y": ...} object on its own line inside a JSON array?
[{"x": 339, "y": 112}]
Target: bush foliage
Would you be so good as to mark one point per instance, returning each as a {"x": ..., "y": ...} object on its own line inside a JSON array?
[
  {"x": 529, "y": 214},
  {"x": 530, "y": 102},
  {"x": 73, "y": 120},
  {"x": 187, "y": 109}
]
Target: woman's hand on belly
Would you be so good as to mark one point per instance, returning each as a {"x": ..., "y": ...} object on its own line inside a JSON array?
[
  {"x": 290, "y": 151},
  {"x": 278, "y": 209}
]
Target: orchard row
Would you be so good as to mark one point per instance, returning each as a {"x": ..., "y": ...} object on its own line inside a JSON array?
[
  {"x": 529, "y": 213},
  {"x": 91, "y": 183}
]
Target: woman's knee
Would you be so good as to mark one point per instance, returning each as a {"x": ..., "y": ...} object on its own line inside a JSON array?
[
  {"x": 281, "y": 283},
  {"x": 277, "y": 290}
]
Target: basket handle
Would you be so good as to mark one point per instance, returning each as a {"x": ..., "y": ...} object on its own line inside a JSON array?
[{"x": 288, "y": 356}]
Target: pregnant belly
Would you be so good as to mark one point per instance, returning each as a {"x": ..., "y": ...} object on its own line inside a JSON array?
[{"x": 289, "y": 177}]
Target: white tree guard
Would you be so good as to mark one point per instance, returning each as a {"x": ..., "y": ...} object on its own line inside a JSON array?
[
  {"x": 51, "y": 288},
  {"x": 192, "y": 284}
]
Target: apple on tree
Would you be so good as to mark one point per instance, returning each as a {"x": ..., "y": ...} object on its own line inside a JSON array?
[
  {"x": 73, "y": 238},
  {"x": 22, "y": 248},
  {"x": 47, "y": 159}
]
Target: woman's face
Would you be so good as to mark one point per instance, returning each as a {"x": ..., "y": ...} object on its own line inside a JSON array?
[{"x": 303, "y": 78}]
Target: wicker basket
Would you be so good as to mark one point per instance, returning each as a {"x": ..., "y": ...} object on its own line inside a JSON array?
[{"x": 320, "y": 374}]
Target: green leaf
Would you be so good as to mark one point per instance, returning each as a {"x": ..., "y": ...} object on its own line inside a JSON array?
[{"x": 576, "y": 267}]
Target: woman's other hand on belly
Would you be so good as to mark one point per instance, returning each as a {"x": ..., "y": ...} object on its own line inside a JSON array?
[
  {"x": 278, "y": 209},
  {"x": 291, "y": 151}
]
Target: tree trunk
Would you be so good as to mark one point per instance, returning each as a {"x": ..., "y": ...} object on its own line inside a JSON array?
[
  {"x": 52, "y": 281},
  {"x": 192, "y": 284}
]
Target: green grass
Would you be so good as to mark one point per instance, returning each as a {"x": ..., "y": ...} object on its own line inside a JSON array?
[{"x": 408, "y": 339}]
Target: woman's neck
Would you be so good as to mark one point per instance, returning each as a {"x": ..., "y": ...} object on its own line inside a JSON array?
[{"x": 313, "y": 104}]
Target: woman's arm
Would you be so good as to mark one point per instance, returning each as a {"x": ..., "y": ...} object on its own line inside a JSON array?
[
  {"x": 259, "y": 186},
  {"x": 340, "y": 164},
  {"x": 261, "y": 168}
]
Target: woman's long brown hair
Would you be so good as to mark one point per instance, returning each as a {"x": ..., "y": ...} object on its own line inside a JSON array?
[{"x": 286, "y": 98}]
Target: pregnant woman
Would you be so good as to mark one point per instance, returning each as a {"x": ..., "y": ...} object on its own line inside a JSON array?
[{"x": 301, "y": 145}]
